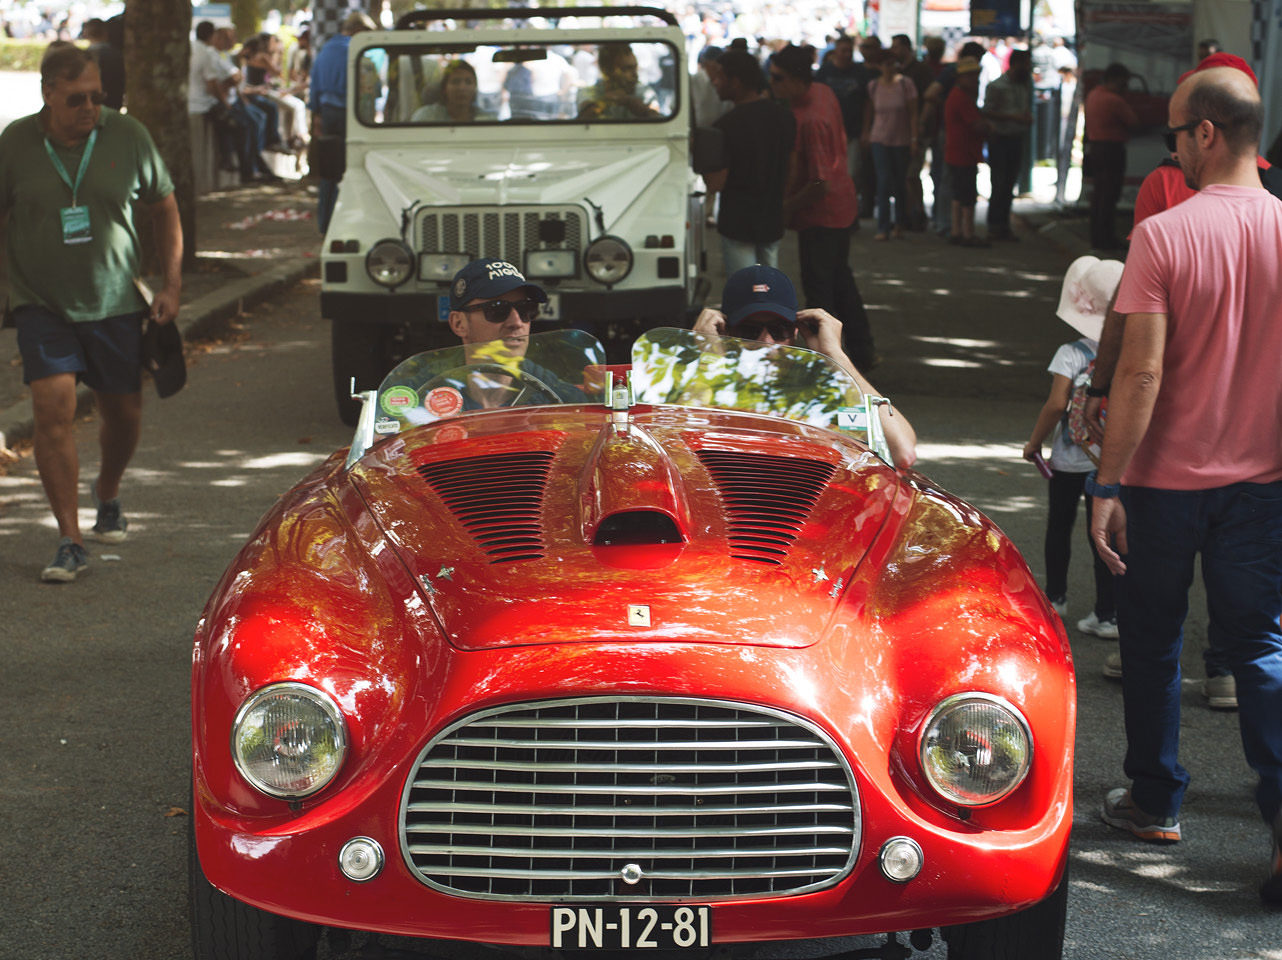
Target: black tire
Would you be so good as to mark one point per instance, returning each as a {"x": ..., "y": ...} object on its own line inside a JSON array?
[
  {"x": 360, "y": 350},
  {"x": 223, "y": 928},
  {"x": 1036, "y": 933}
]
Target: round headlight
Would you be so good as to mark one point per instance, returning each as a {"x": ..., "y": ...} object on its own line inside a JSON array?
[
  {"x": 389, "y": 263},
  {"x": 608, "y": 260},
  {"x": 975, "y": 749},
  {"x": 289, "y": 740}
]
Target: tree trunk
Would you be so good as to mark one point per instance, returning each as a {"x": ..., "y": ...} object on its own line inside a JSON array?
[{"x": 157, "y": 61}]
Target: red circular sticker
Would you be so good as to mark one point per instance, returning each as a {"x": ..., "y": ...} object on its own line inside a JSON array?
[
  {"x": 444, "y": 401},
  {"x": 450, "y": 433}
]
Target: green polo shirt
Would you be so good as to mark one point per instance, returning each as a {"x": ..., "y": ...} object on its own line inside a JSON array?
[{"x": 84, "y": 281}]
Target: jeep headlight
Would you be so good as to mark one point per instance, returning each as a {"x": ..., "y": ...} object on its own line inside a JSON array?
[
  {"x": 975, "y": 749},
  {"x": 608, "y": 260},
  {"x": 550, "y": 264},
  {"x": 389, "y": 263},
  {"x": 289, "y": 740}
]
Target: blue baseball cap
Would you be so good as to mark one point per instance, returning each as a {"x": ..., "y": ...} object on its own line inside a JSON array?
[
  {"x": 758, "y": 289},
  {"x": 487, "y": 280}
]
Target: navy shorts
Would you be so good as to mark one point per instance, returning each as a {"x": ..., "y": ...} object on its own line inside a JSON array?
[
  {"x": 105, "y": 354},
  {"x": 965, "y": 191}
]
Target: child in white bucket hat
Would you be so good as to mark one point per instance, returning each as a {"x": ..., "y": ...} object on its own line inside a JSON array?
[{"x": 1088, "y": 289}]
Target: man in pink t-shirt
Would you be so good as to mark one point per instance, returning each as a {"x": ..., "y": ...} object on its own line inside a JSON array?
[
  {"x": 819, "y": 200},
  {"x": 1194, "y": 450}
]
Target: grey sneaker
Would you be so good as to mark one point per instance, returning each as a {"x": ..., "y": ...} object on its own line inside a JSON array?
[
  {"x": 111, "y": 525},
  {"x": 1104, "y": 629},
  {"x": 1060, "y": 605},
  {"x": 1220, "y": 692},
  {"x": 1113, "y": 666},
  {"x": 67, "y": 562},
  {"x": 1120, "y": 811}
]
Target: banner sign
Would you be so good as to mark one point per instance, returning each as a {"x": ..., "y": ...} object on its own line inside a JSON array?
[{"x": 995, "y": 18}]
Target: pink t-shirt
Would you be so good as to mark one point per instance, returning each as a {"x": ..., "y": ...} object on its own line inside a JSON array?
[
  {"x": 1211, "y": 265},
  {"x": 895, "y": 107},
  {"x": 821, "y": 155}
]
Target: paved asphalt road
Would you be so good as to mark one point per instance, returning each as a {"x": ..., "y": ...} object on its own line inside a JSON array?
[{"x": 93, "y": 675}]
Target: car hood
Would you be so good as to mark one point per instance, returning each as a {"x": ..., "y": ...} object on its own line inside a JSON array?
[
  {"x": 555, "y": 526},
  {"x": 611, "y": 176}
]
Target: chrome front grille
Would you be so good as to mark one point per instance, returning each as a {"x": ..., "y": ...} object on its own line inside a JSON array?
[
  {"x": 556, "y": 800},
  {"x": 506, "y": 236}
]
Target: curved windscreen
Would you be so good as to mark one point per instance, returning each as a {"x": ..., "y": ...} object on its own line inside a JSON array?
[
  {"x": 684, "y": 368},
  {"x": 561, "y": 366},
  {"x": 437, "y": 84}
]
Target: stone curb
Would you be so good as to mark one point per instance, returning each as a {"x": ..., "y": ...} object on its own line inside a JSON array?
[{"x": 201, "y": 319}]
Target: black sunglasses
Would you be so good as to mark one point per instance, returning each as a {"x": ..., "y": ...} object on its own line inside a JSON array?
[
  {"x": 780, "y": 330},
  {"x": 1170, "y": 135},
  {"x": 497, "y": 311},
  {"x": 97, "y": 98}
]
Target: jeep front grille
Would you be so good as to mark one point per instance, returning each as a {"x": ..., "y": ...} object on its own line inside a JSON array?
[
  {"x": 711, "y": 800},
  {"x": 506, "y": 236}
]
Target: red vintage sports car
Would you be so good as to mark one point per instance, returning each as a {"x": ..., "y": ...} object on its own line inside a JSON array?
[{"x": 561, "y": 657}]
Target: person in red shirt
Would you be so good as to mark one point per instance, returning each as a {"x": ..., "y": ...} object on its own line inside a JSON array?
[
  {"x": 1109, "y": 120},
  {"x": 819, "y": 199},
  {"x": 964, "y": 131}
]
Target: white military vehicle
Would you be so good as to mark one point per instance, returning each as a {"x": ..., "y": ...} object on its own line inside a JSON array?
[{"x": 560, "y": 142}]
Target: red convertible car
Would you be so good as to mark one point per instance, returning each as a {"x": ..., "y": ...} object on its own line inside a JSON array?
[{"x": 561, "y": 657}]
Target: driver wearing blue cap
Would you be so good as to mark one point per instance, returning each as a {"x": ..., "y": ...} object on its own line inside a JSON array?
[
  {"x": 491, "y": 300},
  {"x": 760, "y": 303}
]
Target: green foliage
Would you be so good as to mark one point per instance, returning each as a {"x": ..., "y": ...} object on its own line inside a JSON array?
[{"x": 21, "y": 55}]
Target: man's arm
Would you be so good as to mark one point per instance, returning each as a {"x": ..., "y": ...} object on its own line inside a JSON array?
[
  {"x": 1110, "y": 346},
  {"x": 821, "y": 332},
  {"x": 715, "y": 181},
  {"x": 169, "y": 241},
  {"x": 1131, "y": 400}
]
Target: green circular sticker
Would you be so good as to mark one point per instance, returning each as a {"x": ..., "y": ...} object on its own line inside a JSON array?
[{"x": 397, "y": 401}]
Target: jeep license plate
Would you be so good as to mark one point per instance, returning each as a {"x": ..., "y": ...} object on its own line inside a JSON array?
[
  {"x": 552, "y": 309},
  {"x": 613, "y": 926}
]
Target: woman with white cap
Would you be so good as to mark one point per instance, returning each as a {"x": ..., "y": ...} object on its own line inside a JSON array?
[{"x": 1089, "y": 285}]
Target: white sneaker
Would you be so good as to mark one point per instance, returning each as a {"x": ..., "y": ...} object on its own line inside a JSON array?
[
  {"x": 1060, "y": 606},
  {"x": 1113, "y": 666},
  {"x": 1104, "y": 629},
  {"x": 1220, "y": 692}
]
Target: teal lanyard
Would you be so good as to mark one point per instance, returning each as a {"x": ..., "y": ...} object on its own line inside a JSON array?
[{"x": 84, "y": 164}]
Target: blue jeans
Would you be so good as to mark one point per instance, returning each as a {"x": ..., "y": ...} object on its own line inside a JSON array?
[
  {"x": 737, "y": 254},
  {"x": 1238, "y": 531},
  {"x": 892, "y": 181},
  {"x": 333, "y": 122}
]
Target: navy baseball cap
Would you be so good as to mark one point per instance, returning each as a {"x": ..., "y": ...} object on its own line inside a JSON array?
[
  {"x": 487, "y": 280},
  {"x": 758, "y": 289}
]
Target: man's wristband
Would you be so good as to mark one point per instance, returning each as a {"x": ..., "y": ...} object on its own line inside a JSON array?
[
  {"x": 1105, "y": 491},
  {"x": 1097, "y": 391}
]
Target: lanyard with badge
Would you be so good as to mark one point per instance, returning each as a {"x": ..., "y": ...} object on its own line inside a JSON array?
[{"x": 75, "y": 218}]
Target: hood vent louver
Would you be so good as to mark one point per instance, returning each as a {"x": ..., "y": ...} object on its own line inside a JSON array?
[
  {"x": 767, "y": 499},
  {"x": 498, "y": 499}
]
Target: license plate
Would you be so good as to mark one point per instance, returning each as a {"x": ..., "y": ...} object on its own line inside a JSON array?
[
  {"x": 552, "y": 309},
  {"x": 661, "y": 926}
]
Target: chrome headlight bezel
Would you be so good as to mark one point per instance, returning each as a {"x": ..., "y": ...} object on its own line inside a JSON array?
[
  {"x": 389, "y": 262},
  {"x": 994, "y": 723},
  {"x": 608, "y": 260},
  {"x": 308, "y": 706}
]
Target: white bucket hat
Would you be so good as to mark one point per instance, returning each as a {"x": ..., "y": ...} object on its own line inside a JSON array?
[{"x": 1089, "y": 285}]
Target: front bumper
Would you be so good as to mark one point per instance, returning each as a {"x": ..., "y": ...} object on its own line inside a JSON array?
[{"x": 664, "y": 306}]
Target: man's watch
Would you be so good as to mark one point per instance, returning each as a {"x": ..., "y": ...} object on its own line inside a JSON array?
[
  {"x": 1094, "y": 391},
  {"x": 1105, "y": 491}
]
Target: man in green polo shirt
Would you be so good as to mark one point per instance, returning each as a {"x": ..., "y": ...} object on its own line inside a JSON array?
[{"x": 69, "y": 176}]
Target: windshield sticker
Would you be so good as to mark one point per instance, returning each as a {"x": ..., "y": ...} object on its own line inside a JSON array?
[
  {"x": 852, "y": 418},
  {"x": 397, "y": 400},
  {"x": 386, "y": 425},
  {"x": 443, "y": 401}
]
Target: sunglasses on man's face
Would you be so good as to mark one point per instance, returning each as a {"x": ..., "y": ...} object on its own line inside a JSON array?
[
  {"x": 1171, "y": 135},
  {"x": 76, "y": 100},
  {"x": 497, "y": 311},
  {"x": 781, "y": 331}
]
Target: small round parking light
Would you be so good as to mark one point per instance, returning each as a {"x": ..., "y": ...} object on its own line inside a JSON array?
[
  {"x": 901, "y": 859},
  {"x": 361, "y": 859}
]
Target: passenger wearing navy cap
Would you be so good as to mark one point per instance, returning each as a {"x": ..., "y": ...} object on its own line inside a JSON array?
[{"x": 760, "y": 303}]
